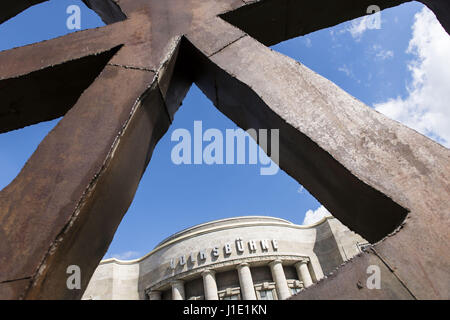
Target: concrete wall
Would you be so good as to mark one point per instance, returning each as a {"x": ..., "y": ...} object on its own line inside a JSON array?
[{"x": 114, "y": 281}]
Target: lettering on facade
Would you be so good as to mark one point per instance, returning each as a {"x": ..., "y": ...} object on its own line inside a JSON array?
[{"x": 228, "y": 250}]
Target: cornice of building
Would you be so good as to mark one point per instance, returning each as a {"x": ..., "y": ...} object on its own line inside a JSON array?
[
  {"x": 190, "y": 232},
  {"x": 224, "y": 222}
]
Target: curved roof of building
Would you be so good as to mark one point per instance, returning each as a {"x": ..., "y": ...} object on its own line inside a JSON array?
[
  {"x": 219, "y": 224},
  {"x": 223, "y": 223}
]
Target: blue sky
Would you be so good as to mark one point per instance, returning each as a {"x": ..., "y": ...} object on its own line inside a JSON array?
[{"x": 381, "y": 67}]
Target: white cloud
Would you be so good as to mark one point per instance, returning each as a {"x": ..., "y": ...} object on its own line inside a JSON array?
[
  {"x": 345, "y": 70},
  {"x": 379, "y": 53},
  {"x": 348, "y": 72},
  {"x": 128, "y": 255},
  {"x": 359, "y": 26},
  {"x": 315, "y": 216},
  {"x": 426, "y": 107},
  {"x": 385, "y": 54},
  {"x": 308, "y": 42}
]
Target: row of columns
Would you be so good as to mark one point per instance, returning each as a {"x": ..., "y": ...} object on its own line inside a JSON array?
[{"x": 245, "y": 281}]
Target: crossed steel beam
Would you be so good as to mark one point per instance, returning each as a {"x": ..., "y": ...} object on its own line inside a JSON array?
[{"x": 118, "y": 88}]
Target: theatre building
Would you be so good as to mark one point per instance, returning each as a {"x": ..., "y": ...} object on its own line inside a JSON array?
[{"x": 256, "y": 258}]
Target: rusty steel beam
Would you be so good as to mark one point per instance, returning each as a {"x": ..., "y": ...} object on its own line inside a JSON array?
[
  {"x": 9, "y": 9},
  {"x": 381, "y": 179},
  {"x": 441, "y": 9},
  {"x": 108, "y": 10}
]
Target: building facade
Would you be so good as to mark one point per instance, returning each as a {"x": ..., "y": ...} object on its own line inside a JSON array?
[{"x": 249, "y": 258}]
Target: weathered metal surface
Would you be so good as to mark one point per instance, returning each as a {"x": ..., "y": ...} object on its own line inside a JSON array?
[
  {"x": 441, "y": 9},
  {"x": 108, "y": 10},
  {"x": 315, "y": 118},
  {"x": 9, "y": 9},
  {"x": 66, "y": 203},
  {"x": 350, "y": 282}
]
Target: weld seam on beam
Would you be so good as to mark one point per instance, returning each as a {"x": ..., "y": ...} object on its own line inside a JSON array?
[
  {"x": 229, "y": 44},
  {"x": 18, "y": 279},
  {"x": 393, "y": 272},
  {"x": 164, "y": 102},
  {"x": 131, "y": 67},
  {"x": 157, "y": 83}
]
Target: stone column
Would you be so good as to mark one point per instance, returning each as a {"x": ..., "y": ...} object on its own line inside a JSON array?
[
  {"x": 246, "y": 282},
  {"x": 210, "y": 285},
  {"x": 280, "y": 279},
  {"x": 303, "y": 273},
  {"x": 154, "y": 295},
  {"x": 178, "y": 290}
]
